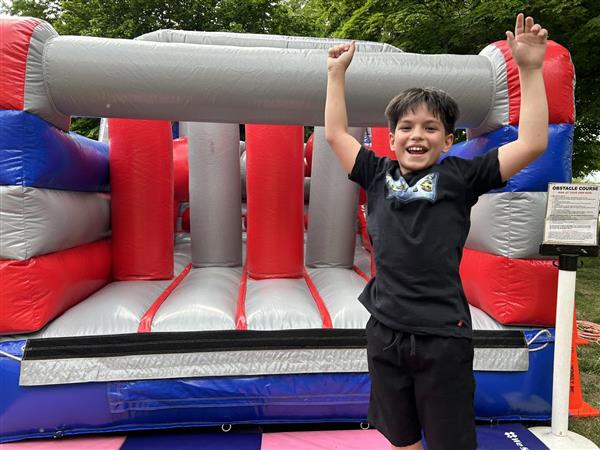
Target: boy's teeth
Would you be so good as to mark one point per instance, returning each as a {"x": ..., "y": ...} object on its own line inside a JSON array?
[{"x": 416, "y": 150}]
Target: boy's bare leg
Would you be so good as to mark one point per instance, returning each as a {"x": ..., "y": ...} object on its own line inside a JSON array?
[{"x": 416, "y": 446}]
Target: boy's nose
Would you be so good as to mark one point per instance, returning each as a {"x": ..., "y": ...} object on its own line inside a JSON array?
[{"x": 417, "y": 134}]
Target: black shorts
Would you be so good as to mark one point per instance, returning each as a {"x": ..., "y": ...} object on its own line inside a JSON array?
[{"x": 421, "y": 382}]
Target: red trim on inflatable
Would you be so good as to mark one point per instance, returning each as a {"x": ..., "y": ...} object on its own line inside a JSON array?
[
  {"x": 36, "y": 290},
  {"x": 240, "y": 312},
  {"x": 512, "y": 291},
  {"x": 559, "y": 79},
  {"x": 362, "y": 197},
  {"x": 361, "y": 273},
  {"x": 141, "y": 181},
  {"x": 325, "y": 317},
  {"x": 362, "y": 225},
  {"x": 275, "y": 200},
  {"x": 308, "y": 155},
  {"x": 145, "y": 325},
  {"x": 185, "y": 220},
  {"x": 181, "y": 170},
  {"x": 15, "y": 35},
  {"x": 380, "y": 142}
]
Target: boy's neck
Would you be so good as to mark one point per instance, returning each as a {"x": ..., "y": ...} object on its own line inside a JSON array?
[{"x": 404, "y": 171}]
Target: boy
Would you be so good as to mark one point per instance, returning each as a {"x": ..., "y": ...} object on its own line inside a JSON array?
[{"x": 419, "y": 334}]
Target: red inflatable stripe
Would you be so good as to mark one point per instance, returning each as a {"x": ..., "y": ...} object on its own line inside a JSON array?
[
  {"x": 362, "y": 225},
  {"x": 145, "y": 325},
  {"x": 141, "y": 182},
  {"x": 361, "y": 273},
  {"x": 36, "y": 290},
  {"x": 275, "y": 199},
  {"x": 559, "y": 78},
  {"x": 325, "y": 317},
  {"x": 512, "y": 291},
  {"x": 240, "y": 313},
  {"x": 181, "y": 171},
  {"x": 308, "y": 155},
  {"x": 15, "y": 35},
  {"x": 380, "y": 138}
]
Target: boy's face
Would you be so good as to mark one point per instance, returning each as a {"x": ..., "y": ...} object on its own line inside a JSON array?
[{"x": 418, "y": 140}]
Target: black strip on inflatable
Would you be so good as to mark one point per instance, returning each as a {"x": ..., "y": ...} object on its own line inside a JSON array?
[{"x": 227, "y": 340}]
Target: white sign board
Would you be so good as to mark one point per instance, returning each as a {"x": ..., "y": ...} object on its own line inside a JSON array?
[{"x": 572, "y": 214}]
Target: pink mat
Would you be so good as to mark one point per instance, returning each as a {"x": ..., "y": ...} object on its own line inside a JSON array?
[
  {"x": 79, "y": 443},
  {"x": 315, "y": 440}
]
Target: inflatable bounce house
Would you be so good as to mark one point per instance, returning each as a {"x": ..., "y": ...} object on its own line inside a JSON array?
[{"x": 163, "y": 280}]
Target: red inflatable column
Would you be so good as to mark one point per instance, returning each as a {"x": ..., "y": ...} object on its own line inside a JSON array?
[
  {"x": 380, "y": 138},
  {"x": 141, "y": 180},
  {"x": 275, "y": 193}
]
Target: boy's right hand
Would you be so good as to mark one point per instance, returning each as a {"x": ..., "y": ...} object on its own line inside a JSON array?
[{"x": 340, "y": 57}]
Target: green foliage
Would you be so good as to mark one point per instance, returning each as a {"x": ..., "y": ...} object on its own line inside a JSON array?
[
  {"x": 128, "y": 19},
  {"x": 86, "y": 126}
]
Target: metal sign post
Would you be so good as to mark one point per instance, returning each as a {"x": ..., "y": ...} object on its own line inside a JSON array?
[{"x": 571, "y": 230}]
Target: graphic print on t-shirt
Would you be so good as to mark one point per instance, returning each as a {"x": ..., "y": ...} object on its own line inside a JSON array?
[{"x": 424, "y": 189}]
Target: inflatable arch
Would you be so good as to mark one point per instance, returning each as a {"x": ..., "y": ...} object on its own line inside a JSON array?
[{"x": 129, "y": 325}]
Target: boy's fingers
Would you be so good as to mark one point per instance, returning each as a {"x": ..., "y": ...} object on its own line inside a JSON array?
[
  {"x": 519, "y": 23},
  {"x": 352, "y": 47},
  {"x": 543, "y": 33},
  {"x": 510, "y": 37},
  {"x": 536, "y": 28},
  {"x": 528, "y": 24}
]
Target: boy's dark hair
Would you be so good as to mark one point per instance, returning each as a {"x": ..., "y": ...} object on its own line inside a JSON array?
[{"x": 438, "y": 102}]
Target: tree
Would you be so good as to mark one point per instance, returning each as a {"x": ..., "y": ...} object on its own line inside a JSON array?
[{"x": 464, "y": 27}]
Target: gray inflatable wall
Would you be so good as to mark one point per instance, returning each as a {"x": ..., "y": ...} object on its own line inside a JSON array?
[
  {"x": 215, "y": 194},
  {"x": 36, "y": 221},
  {"x": 246, "y": 85},
  {"x": 332, "y": 208}
]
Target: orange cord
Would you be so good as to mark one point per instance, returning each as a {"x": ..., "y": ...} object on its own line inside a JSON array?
[{"x": 589, "y": 331}]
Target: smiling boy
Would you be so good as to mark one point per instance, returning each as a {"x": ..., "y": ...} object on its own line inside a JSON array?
[{"x": 419, "y": 335}]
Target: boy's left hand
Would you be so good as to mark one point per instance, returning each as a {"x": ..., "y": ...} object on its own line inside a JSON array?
[{"x": 528, "y": 43}]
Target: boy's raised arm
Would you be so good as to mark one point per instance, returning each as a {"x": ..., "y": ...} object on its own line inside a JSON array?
[
  {"x": 528, "y": 46},
  {"x": 343, "y": 144}
]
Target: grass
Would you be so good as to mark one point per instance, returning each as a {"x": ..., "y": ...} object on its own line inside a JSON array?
[{"x": 587, "y": 298}]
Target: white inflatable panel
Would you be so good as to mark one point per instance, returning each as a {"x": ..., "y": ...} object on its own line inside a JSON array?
[
  {"x": 340, "y": 289},
  {"x": 116, "y": 308},
  {"x": 206, "y": 299},
  {"x": 508, "y": 224},
  {"x": 36, "y": 221},
  {"x": 332, "y": 207},
  {"x": 481, "y": 321},
  {"x": 280, "y": 304},
  {"x": 362, "y": 258}
]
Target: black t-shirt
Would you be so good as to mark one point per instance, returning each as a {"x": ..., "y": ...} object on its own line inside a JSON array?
[{"x": 418, "y": 224}]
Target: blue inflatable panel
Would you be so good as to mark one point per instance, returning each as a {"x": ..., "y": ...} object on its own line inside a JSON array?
[
  {"x": 501, "y": 437},
  {"x": 553, "y": 166},
  {"x": 27, "y": 412},
  {"x": 34, "y": 153}
]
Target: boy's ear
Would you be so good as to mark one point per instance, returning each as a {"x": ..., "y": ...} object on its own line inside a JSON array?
[
  {"x": 448, "y": 142},
  {"x": 391, "y": 140}
]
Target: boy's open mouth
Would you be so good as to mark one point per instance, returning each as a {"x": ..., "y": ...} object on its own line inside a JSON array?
[{"x": 416, "y": 150}]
